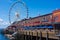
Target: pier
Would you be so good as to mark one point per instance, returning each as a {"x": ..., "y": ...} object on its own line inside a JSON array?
[
  {"x": 37, "y": 35},
  {"x": 30, "y": 20},
  {"x": 43, "y": 27}
]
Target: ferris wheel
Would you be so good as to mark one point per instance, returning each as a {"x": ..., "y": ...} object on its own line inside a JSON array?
[{"x": 18, "y": 10}]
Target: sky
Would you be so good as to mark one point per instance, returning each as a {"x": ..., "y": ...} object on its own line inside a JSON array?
[{"x": 35, "y": 7}]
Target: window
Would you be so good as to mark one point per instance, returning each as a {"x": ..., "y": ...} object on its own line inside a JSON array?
[
  {"x": 50, "y": 16},
  {"x": 56, "y": 18},
  {"x": 45, "y": 19}
]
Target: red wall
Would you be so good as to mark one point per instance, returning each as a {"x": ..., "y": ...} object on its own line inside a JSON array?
[{"x": 56, "y": 16}]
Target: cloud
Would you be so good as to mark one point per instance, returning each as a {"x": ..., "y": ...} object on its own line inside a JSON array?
[
  {"x": 4, "y": 23},
  {"x": 1, "y": 20}
]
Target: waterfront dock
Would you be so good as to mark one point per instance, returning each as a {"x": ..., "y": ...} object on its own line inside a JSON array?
[
  {"x": 47, "y": 35},
  {"x": 44, "y": 27}
]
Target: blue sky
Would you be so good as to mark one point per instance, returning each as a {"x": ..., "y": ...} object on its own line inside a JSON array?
[{"x": 36, "y": 7}]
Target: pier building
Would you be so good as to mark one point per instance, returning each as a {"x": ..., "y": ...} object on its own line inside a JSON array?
[
  {"x": 39, "y": 22},
  {"x": 44, "y": 23}
]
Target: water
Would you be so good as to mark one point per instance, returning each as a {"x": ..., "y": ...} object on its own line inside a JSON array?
[{"x": 2, "y": 37}]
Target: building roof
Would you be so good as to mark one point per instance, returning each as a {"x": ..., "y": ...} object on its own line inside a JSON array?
[
  {"x": 31, "y": 18},
  {"x": 42, "y": 15},
  {"x": 36, "y": 17},
  {"x": 55, "y": 11}
]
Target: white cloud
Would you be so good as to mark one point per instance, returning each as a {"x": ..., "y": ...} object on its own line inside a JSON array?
[
  {"x": 1, "y": 20},
  {"x": 4, "y": 23}
]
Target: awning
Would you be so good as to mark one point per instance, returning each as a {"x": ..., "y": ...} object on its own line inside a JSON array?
[
  {"x": 44, "y": 27},
  {"x": 50, "y": 27},
  {"x": 26, "y": 28},
  {"x": 38, "y": 27},
  {"x": 29, "y": 28}
]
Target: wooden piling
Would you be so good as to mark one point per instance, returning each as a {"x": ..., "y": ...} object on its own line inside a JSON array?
[
  {"x": 37, "y": 36},
  {"x": 26, "y": 36},
  {"x": 32, "y": 36},
  {"x": 47, "y": 36},
  {"x": 29, "y": 35},
  {"x": 40, "y": 36}
]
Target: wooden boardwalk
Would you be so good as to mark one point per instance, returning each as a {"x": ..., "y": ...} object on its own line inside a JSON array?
[{"x": 38, "y": 33}]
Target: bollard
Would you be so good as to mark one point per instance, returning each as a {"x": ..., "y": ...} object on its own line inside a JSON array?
[
  {"x": 47, "y": 36},
  {"x": 32, "y": 36},
  {"x": 37, "y": 36},
  {"x": 40, "y": 36}
]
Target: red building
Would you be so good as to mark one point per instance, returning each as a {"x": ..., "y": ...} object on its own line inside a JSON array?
[
  {"x": 47, "y": 19},
  {"x": 56, "y": 16}
]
